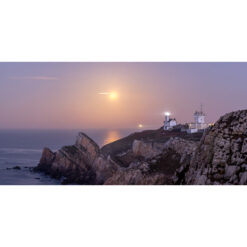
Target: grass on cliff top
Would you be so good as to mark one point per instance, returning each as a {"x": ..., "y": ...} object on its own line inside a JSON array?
[{"x": 159, "y": 135}]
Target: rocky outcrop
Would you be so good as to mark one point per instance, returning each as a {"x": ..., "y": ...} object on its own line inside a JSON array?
[
  {"x": 88, "y": 148},
  {"x": 138, "y": 173},
  {"x": 145, "y": 162},
  {"x": 155, "y": 163},
  {"x": 103, "y": 168},
  {"x": 81, "y": 163},
  {"x": 221, "y": 157},
  {"x": 72, "y": 162},
  {"x": 146, "y": 149}
]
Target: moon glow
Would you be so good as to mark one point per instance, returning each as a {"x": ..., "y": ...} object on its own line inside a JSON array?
[{"x": 111, "y": 95}]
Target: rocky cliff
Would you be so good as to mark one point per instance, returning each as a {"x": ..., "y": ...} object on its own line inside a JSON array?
[
  {"x": 157, "y": 157},
  {"x": 154, "y": 163},
  {"x": 144, "y": 162},
  {"x": 81, "y": 163},
  {"x": 221, "y": 156}
]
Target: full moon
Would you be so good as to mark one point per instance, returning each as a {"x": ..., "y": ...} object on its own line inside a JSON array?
[{"x": 113, "y": 95}]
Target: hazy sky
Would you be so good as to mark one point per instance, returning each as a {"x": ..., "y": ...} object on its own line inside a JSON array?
[{"x": 67, "y": 95}]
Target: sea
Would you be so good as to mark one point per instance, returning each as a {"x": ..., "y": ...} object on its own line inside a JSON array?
[{"x": 22, "y": 149}]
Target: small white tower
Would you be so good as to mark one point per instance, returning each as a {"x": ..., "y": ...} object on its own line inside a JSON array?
[
  {"x": 169, "y": 123},
  {"x": 199, "y": 122},
  {"x": 199, "y": 117}
]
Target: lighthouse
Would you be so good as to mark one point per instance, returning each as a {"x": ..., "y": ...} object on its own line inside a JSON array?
[
  {"x": 199, "y": 122},
  {"x": 169, "y": 123},
  {"x": 199, "y": 117}
]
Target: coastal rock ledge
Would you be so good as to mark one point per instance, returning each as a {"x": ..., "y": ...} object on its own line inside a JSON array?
[{"x": 219, "y": 158}]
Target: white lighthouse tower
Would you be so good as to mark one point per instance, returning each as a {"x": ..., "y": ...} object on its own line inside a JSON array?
[
  {"x": 199, "y": 122},
  {"x": 169, "y": 123},
  {"x": 199, "y": 117}
]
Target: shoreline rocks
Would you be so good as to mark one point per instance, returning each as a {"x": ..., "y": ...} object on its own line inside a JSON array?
[
  {"x": 72, "y": 162},
  {"x": 14, "y": 168}
]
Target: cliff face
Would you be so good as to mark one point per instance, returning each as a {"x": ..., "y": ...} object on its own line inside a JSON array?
[
  {"x": 154, "y": 163},
  {"x": 221, "y": 157},
  {"x": 145, "y": 162},
  {"x": 81, "y": 163}
]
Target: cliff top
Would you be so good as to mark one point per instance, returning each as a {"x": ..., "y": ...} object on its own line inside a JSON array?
[{"x": 158, "y": 136}]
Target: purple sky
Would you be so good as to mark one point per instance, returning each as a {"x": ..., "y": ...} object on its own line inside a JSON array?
[{"x": 66, "y": 95}]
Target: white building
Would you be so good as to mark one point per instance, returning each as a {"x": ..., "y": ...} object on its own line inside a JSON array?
[
  {"x": 169, "y": 123},
  {"x": 199, "y": 122}
]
